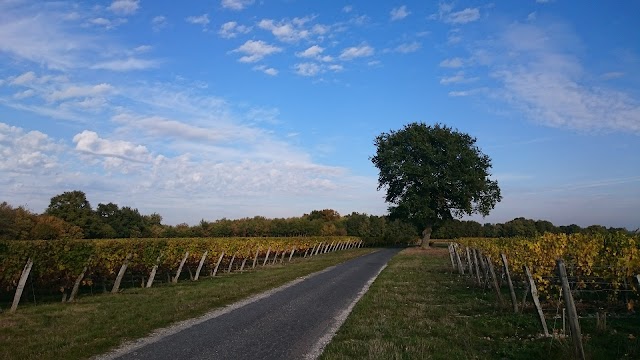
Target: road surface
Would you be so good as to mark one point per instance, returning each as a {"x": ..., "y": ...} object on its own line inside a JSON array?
[{"x": 294, "y": 322}]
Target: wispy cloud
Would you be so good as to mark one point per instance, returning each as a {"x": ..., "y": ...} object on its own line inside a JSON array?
[
  {"x": 128, "y": 64},
  {"x": 545, "y": 79},
  {"x": 294, "y": 30},
  {"x": 267, "y": 70},
  {"x": 124, "y": 7},
  {"x": 232, "y": 29},
  {"x": 159, "y": 22},
  {"x": 236, "y": 4},
  {"x": 307, "y": 69},
  {"x": 399, "y": 13},
  {"x": 256, "y": 50},
  {"x": 452, "y": 63},
  {"x": 202, "y": 20},
  {"x": 446, "y": 14},
  {"x": 457, "y": 78},
  {"x": 354, "y": 52},
  {"x": 407, "y": 48},
  {"x": 311, "y": 52}
]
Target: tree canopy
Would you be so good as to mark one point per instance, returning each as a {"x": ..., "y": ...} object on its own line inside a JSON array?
[{"x": 433, "y": 174}]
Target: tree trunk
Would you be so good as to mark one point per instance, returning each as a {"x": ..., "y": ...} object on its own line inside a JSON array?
[{"x": 426, "y": 237}]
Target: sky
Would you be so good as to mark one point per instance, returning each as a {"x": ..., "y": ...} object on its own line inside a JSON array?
[{"x": 227, "y": 109}]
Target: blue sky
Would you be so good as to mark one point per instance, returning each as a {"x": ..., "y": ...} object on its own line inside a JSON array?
[{"x": 235, "y": 108}]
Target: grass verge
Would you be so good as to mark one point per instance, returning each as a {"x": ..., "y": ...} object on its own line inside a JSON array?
[
  {"x": 95, "y": 324},
  {"x": 418, "y": 309}
]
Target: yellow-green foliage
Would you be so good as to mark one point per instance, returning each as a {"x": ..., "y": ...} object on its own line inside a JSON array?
[
  {"x": 594, "y": 258},
  {"x": 57, "y": 263}
]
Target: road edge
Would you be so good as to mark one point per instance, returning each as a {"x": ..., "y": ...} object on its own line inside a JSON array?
[{"x": 318, "y": 348}]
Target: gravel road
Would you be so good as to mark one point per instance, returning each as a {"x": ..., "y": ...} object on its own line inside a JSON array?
[{"x": 294, "y": 321}]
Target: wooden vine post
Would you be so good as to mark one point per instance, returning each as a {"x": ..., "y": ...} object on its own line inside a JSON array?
[
  {"x": 536, "y": 300},
  {"x": 152, "y": 276},
  {"x": 514, "y": 299},
  {"x": 215, "y": 270},
  {"x": 184, "y": 259},
  {"x": 255, "y": 259},
  {"x": 458, "y": 261},
  {"x": 266, "y": 257},
  {"x": 469, "y": 262},
  {"x": 244, "y": 261},
  {"x": 123, "y": 269},
  {"x": 23, "y": 280},
  {"x": 204, "y": 256},
  {"x": 475, "y": 263},
  {"x": 76, "y": 285},
  {"x": 292, "y": 251},
  {"x": 576, "y": 335},
  {"x": 453, "y": 263},
  {"x": 231, "y": 263},
  {"x": 494, "y": 279}
]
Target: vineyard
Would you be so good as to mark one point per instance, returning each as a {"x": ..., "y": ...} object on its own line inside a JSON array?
[
  {"x": 65, "y": 266},
  {"x": 574, "y": 279},
  {"x": 607, "y": 264}
]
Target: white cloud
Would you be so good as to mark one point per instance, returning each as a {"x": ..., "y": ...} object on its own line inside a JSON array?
[
  {"x": 454, "y": 37},
  {"x": 236, "y": 4},
  {"x": 353, "y": 52},
  {"x": 231, "y": 29},
  {"x": 347, "y": 9},
  {"x": 199, "y": 20},
  {"x": 81, "y": 91},
  {"x": 446, "y": 14},
  {"x": 24, "y": 94},
  {"x": 284, "y": 31},
  {"x": 532, "y": 16},
  {"x": 408, "y": 47},
  {"x": 24, "y": 79},
  {"x": 89, "y": 142},
  {"x": 612, "y": 75},
  {"x": 143, "y": 49},
  {"x": 464, "y": 16},
  {"x": 267, "y": 70},
  {"x": 311, "y": 52},
  {"x": 42, "y": 38},
  {"x": 452, "y": 63},
  {"x": 336, "y": 67},
  {"x": 459, "y": 77},
  {"x": 541, "y": 76},
  {"x": 399, "y": 13},
  {"x": 129, "y": 64},
  {"x": 158, "y": 23},
  {"x": 256, "y": 50},
  {"x": 26, "y": 152},
  {"x": 307, "y": 69},
  {"x": 124, "y": 7}
]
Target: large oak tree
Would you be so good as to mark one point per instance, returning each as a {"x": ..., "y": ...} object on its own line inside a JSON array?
[{"x": 432, "y": 174}]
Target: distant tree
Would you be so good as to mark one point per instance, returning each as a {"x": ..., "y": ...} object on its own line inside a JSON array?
[
  {"x": 49, "y": 227},
  {"x": 15, "y": 222},
  {"x": 520, "y": 227},
  {"x": 325, "y": 215},
  {"x": 570, "y": 229},
  {"x": 74, "y": 208},
  {"x": 433, "y": 174},
  {"x": 544, "y": 226}
]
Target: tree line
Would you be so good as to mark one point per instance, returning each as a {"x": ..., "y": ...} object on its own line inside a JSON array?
[{"x": 70, "y": 216}]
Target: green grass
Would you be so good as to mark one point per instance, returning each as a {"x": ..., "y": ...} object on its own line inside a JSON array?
[
  {"x": 418, "y": 309},
  {"x": 94, "y": 324}
]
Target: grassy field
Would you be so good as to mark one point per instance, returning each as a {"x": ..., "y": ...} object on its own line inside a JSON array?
[
  {"x": 418, "y": 309},
  {"x": 94, "y": 324}
]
